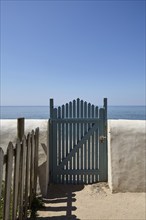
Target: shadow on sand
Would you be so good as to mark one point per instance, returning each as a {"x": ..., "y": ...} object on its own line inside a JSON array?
[{"x": 59, "y": 202}]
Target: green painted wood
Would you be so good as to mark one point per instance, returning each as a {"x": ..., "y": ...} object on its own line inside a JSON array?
[
  {"x": 70, "y": 140},
  {"x": 74, "y": 138},
  {"x": 102, "y": 165},
  {"x": 81, "y": 142},
  {"x": 51, "y": 108},
  {"x": 82, "y": 110},
  {"x": 67, "y": 151},
  {"x": 59, "y": 140},
  {"x": 75, "y": 120},
  {"x": 54, "y": 146},
  {"x": 78, "y": 137},
  {"x": 106, "y": 142},
  {"x": 93, "y": 145},
  {"x": 50, "y": 154},
  {"x": 89, "y": 141},
  {"x": 63, "y": 109},
  {"x": 79, "y": 172},
  {"x": 85, "y": 148},
  {"x": 96, "y": 145},
  {"x": 51, "y": 141},
  {"x": 105, "y": 107}
]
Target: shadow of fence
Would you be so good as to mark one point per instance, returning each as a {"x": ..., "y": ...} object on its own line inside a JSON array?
[{"x": 59, "y": 203}]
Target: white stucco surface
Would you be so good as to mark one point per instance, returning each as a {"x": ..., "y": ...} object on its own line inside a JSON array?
[
  {"x": 8, "y": 132},
  {"x": 127, "y": 155},
  {"x": 126, "y": 151}
]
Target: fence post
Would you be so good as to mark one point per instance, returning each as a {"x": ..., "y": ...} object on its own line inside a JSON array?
[
  {"x": 20, "y": 128},
  {"x": 106, "y": 135}
]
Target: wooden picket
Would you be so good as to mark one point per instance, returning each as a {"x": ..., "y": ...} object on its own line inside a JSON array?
[
  {"x": 16, "y": 178},
  {"x": 78, "y": 142},
  {"x": 1, "y": 168},
  {"x": 22, "y": 168},
  {"x": 8, "y": 180}
]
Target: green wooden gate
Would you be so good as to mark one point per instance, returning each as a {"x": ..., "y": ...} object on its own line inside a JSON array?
[{"x": 78, "y": 143}]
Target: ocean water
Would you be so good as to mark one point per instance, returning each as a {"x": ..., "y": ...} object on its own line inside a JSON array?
[{"x": 42, "y": 112}]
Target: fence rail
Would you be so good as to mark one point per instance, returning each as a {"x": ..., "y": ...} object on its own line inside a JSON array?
[{"x": 18, "y": 175}]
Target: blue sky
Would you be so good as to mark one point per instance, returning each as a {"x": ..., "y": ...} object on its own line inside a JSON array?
[{"x": 71, "y": 49}]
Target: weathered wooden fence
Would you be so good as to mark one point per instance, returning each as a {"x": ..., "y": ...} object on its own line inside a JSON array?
[{"x": 18, "y": 174}]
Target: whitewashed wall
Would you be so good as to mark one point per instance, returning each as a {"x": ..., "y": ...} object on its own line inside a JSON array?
[
  {"x": 8, "y": 132},
  {"x": 127, "y": 155},
  {"x": 126, "y": 151}
]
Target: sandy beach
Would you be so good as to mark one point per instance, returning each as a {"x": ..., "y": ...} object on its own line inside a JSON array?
[{"x": 92, "y": 202}]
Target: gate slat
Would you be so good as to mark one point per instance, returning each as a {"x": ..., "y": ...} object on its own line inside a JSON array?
[
  {"x": 89, "y": 116},
  {"x": 79, "y": 145},
  {"x": 67, "y": 140},
  {"x": 85, "y": 146},
  {"x": 54, "y": 145},
  {"x": 78, "y": 131},
  {"x": 96, "y": 146},
  {"x": 105, "y": 146},
  {"x": 51, "y": 141},
  {"x": 62, "y": 140},
  {"x": 74, "y": 139},
  {"x": 92, "y": 167},
  {"x": 59, "y": 142},
  {"x": 70, "y": 141},
  {"x": 81, "y": 138}
]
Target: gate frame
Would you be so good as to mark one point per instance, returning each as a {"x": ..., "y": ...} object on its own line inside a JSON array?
[{"x": 102, "y": 134}]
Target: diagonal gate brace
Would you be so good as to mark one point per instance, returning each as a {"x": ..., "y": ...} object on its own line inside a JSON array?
[{"x": 81, "y": 142}]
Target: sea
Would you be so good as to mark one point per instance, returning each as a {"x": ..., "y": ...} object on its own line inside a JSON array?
[{"x": 42, "y": 112}]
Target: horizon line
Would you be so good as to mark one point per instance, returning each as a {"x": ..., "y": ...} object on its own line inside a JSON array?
[{"x": 65, "y": 103}]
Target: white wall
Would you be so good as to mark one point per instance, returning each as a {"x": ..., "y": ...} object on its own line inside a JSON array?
[
  {"x": 127, "y": 155},
  {"x": 8, "y": 132},
  {"x": 126, "y": 151}
]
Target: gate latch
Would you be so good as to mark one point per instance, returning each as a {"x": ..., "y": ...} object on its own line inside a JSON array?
[{"x": 101, "y": 139}]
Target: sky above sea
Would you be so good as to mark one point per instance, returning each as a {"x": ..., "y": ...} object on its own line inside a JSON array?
[{"x": 68, "y": 49}]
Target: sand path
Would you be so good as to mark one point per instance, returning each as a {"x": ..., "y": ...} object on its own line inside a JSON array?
[{"x": 92, "y": 202}]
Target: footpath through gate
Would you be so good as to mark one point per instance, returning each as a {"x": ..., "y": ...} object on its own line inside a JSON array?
[{"x": 78, "y": 143}]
